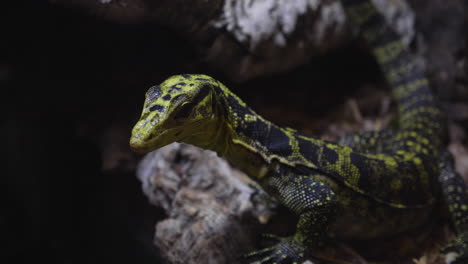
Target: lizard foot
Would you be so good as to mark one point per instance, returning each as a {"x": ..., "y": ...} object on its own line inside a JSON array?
[
  {"x": 286, "y": 251},
  {"x": 457, "y": 251}
]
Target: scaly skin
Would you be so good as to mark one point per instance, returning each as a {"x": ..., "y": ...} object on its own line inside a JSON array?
[{"x": 381, "y": 182}]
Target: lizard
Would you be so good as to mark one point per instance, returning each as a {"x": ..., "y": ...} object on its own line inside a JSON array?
[{"x": 367, "y": 185}]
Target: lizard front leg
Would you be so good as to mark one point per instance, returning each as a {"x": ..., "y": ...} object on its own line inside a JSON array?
[
  {"x": 316, "y": 205},
  {"x": 456, "y": 198}
]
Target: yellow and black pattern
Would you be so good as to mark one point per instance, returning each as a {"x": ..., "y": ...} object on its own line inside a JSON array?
[{"x": 380, "y": 181}]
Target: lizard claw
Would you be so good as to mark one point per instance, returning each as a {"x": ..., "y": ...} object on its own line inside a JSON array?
[
  {"x": 285, "y": 251},
  {"x": 457, "y": 251}
]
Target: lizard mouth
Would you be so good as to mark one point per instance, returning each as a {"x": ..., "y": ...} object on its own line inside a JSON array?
[
  {"x": 141, "y": 144},
  {"x": 146, "y": 139},
  {"x": 136, "y": 146}
]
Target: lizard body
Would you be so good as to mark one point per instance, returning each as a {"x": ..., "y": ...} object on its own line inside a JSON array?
[{"x": 381, "y": 182}]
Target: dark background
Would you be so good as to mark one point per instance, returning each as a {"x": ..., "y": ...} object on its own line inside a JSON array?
[
  {"x": 68, "y": 76},
  {"x": 73, "y": 85}
]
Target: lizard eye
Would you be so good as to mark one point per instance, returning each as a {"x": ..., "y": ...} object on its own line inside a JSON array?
[
  {"x": 184, "y": 111},
  {"x": 186, "y": 108}
]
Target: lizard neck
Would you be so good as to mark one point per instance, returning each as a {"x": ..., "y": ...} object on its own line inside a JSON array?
[
  {"x": 235, "y": 132},
  {"x": 255, "y": 145}
]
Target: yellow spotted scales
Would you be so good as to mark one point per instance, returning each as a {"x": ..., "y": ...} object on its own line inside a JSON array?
[{"x": 367, "y": 185}]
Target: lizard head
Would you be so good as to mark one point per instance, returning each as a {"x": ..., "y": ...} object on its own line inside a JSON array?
[{"x": 178, "y": 108}]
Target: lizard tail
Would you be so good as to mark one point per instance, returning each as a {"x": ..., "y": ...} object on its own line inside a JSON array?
[{"x": 417, "y": 106}]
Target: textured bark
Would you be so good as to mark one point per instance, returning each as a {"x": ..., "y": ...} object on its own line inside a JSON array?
[
  {"x": 209, "y": 205},
  {"x": 245, "y": 39}
]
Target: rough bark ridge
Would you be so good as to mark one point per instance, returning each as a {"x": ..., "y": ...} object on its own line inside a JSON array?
[
  {"x": 208, "y": 203},
  {"x": 244, "y": 39}
]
